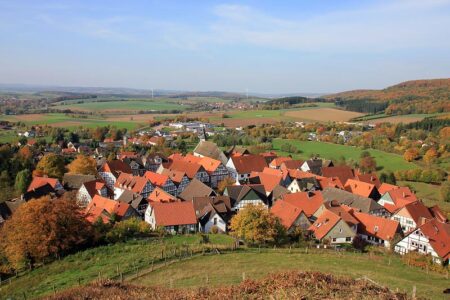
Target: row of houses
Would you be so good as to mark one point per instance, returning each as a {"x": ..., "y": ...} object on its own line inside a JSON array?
[{"x": 330, "y": 204}]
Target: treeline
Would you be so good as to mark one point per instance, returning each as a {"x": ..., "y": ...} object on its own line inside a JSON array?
[
  {"x": 428, "y": 124},
  {"x": 362, "y": 105}
]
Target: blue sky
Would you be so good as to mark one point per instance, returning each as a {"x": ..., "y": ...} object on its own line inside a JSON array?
[{"x": 265, "y": 46}]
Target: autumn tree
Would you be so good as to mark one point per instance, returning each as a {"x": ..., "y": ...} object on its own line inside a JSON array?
[
  {"x": 83, "y": 165},
  {"x": 367, "y": 163},
  {"x": 430, "y": 156},
  {"x": 44, "y": 228},
  {"x": 23, "y": 179},
  {"x": 411, "y": 154},
  {"x": 256, "y": 225},
  {"x": 25, "y": 153},
  {"x": 51, "y": 165},
  {"x": 224, "y": 183}
]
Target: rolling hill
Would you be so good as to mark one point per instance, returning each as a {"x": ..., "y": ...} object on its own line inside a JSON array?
[{"x": 417, "y": 96}]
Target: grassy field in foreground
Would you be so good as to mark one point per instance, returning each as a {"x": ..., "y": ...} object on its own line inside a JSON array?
[
  {"x": 86, "y": 265},
  {"x": 385, "y": 161},
  {"x": 229, "y": 268}
]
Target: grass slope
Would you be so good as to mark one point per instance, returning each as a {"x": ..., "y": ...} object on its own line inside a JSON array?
[
  {"x": 230, "y": 268},
  {"x": 386, "y": 161},
  {"x": 85, "y": 266}
]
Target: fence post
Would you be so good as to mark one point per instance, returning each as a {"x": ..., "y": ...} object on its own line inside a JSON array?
[
  {"x": 117, "y": 269},
  {"x": 243, "y": 276},
  {"x": 414, "y": 293},
  {"x": 290, "y": 248},
  {"x": 171, "y": 283},
  {"x": 152, "y": 264},
  {"x": 121, "y": 277},
  {"x": 79, "y": 281},
  {"x": 207, "y": 279}
]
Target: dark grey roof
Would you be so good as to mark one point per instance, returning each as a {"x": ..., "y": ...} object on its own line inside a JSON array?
[
  {"x": 364, "y": 204},
  {"x": 131, "y": 198},
  {"x": 75, "y": 181},
  {"x": 315, "y": 165},
  {"x": 238, "y": 192},
  {"x": 279, "y": 191},
  {"x": 196, "y": 188},
  {"x": 222, "y": 204}
]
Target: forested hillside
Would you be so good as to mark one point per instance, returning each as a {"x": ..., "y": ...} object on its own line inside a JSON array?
[{"x": 417, "y": 96}]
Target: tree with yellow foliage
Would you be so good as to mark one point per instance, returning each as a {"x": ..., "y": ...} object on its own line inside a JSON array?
[
  {"x": 83, "y": 165},
  {"x": 256, "y": 225},
  {"x": 430, "y": 156},
  {"x": 51, "y": 165},
  {"x": 411, "y": 154}
]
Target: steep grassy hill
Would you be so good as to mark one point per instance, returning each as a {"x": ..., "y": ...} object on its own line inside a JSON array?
[{"x": 417, "y": 96}]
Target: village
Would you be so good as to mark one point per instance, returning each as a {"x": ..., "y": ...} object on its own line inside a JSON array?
[{"x": 202, "y": 191}]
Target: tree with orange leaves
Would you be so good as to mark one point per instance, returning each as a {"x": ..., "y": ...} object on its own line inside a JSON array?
[
  {"x": 411, "y": 154},
  {"x": 51, "y": 165},
  {"x": 44, "y": 228},
  {"x": 83, "y": 165},
  {"x": 430, "y": 156}
]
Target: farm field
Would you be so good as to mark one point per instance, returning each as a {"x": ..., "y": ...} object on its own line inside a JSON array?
[
  {"x": 228, "y": 269},
  {"x": 67, "y": 121},
  {"x": 385, "y": 161},
  {"x": 383, "y": 118},
  {"x": 84, "y": 266},
  {"x": 323, "y": 115},
  {"x": 123, "y": 106}
]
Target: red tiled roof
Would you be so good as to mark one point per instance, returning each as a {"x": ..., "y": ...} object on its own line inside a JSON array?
[
  {"x": 174, "y": 213},
  {"x": 333, "y": 182},
  {"x": 268, "y": 180},
  {"x": 209, "y": 164},
  {"x": 344, "y": 173},
  {"x": 38, "y": 182},
  {"x": 287, "y": 212},
  {"x": 379, "y": 227},
  {"x": 116, "y": 167},
  {"x": 276, "y": 162},
  {"x": 299, "y": 174},
  {"x": 131, "y": 182},
  {"x": 191, "y": 169},
  {"x": 324, "y": 223},
  {"x": 103, "y": 207},
  {"x": 291, "y": 164},
  {"x": 175, "y": 176},
  {"x": 359, "y": 187},
  {"x": 159, "y": 195},
  {"x": 308, "y": 202},
  {"x": 418, "y": 212},
  {"x": 343, "y": 211},
  {"x": 93, "y": 186},
  {"x": 248, "y": 163},
  {"x": 438, "y": 234},
  {"x": 386, "y": 187},
  {"x": 402, "y": 196},
  {"x": 155, "y": 178},
  {"x": 369, "y": 178}
]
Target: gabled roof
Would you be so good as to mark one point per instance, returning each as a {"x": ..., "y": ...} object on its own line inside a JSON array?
[
  {"x": 130, "y": 182},
  {"x": 386, "y": 187},
  {"x": 94, "y": 186},
  {"x": 104, "y": 208},
  {"x": 38, "y": 182},
  {"x": 315, "y": 165},
  {"x": 278, "y": 161},
  {"x": 402, "y": 196},
  {"x": 247, "y": 163},
  {"x": 209, "y": 149},
  {"x": 360, "y": 203},
  {"x": 115, "y": 167},
  {"x": 438, "y": 234},
  {"x": 291, "y": 164},
  {"x": 418, "y": 212},
  {"x": 279, "y": 191},
  {"x": 174, "y": 213},
  {"x": 324, "y": 223},
  {"x": 221, "y": 204},
  {"x": 379, "y": 227},
  {"x": 299, "y": 174},
  {"x": 134, "y": 199},
  {"x": 343, "y": 211},
  {"x": 438, "y": 214},
  {"x": 359, "y": 187},
  {"x": 333, "y": 182},
  {"x": 344, "y": 173},
  {"x": 238, "y": 192},
  {"x": 196, "y": 188},
  {"x": 159, "y": 195},
  {"x": 175, "y": 176},
  {"x": 371, "y": 178},
  {"x": 156, "y": 179},
  {"x": 287, "y": 213},
  {"x": 269, "y": 181},
  {"x": 309, "y": 202},
  {"x": 210, "y": 164},
  {"x": 190, "y": 168},
  {"x": 74, "y": 181}
]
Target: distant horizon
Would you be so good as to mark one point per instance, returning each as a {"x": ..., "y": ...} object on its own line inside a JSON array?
[{"x": 5, "y": 86}]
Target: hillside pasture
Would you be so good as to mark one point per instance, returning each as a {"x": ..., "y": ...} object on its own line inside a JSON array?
[
  {"x": 323, "y": 115},
  {"x": 385, "y": 161},
  {"x": 231, "y": 268}
]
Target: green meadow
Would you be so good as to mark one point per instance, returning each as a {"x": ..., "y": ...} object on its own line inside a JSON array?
[{"x": 385, "y": 161}]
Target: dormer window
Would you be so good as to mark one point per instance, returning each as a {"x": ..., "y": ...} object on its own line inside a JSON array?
[{"x": 375, "y": 228}]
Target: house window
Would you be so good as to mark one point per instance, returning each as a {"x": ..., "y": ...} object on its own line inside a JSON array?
[
  {"x": 348, "y": 239},
  {"x": 340, "y": 230},
  {"x": 334, "y": 240},
  {"x": 215, "y": 221}
]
